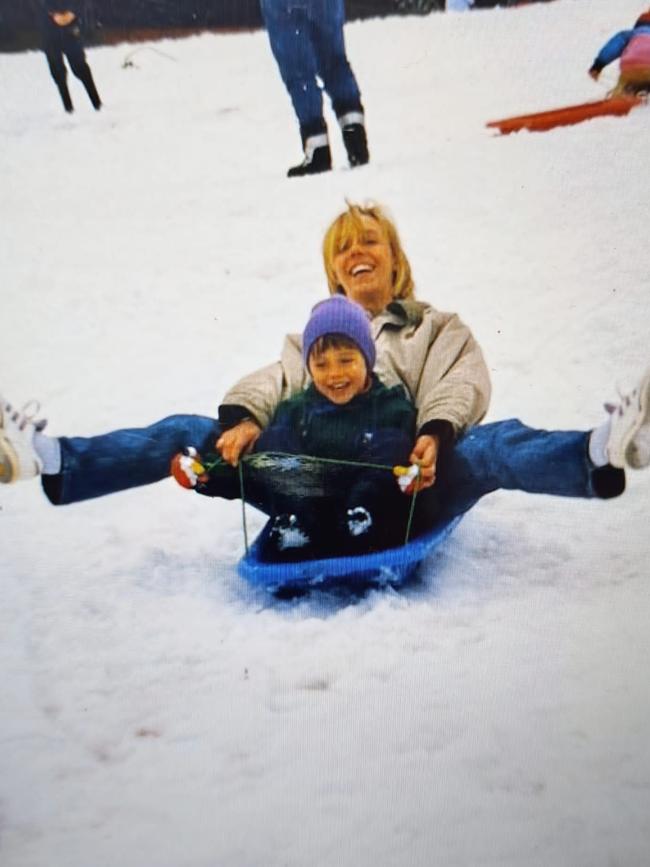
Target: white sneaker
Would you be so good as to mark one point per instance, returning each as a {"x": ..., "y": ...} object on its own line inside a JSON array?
[
  {"x": 18, "y": 459},
  {"x": 628, "y": 444}
]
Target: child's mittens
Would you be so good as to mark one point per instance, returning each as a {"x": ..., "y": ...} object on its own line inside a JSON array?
[
  {"x": 406, "y": 477},
  {"x": 187, "y": 469}
]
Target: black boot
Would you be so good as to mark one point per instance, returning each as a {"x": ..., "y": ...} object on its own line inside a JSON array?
[
  {"x": 356, "y": 143},
  {"x": 91, "y": 90},
  {"x": 65, "y": 96},
  {"x": 317, "y": 157},
  {"x": 93, "y": 95}
]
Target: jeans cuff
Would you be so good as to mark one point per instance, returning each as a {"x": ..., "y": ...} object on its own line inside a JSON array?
[
  {"x": 53, "y": 488},
  {"x": 607, "y": 482}
]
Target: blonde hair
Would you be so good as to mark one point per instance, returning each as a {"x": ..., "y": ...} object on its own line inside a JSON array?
[{"x": 347, "y": 226}]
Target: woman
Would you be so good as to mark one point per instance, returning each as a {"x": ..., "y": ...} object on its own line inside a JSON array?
[
  {"x": 433, "y": 354},
  {"x": 439, "y": 362}
]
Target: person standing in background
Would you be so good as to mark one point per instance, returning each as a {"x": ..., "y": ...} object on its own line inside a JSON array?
[
  {"x": 62, "y": 36},
  {"x": 307, "y": 42}
]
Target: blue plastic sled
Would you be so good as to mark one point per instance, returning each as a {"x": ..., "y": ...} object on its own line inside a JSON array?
[{"x": 392, "y": 567}]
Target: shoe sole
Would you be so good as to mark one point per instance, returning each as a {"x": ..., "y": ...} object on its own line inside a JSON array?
[
  {"x": 8, "y": 462},
  {"x": 632, "y": 457},
  {"x": 10, "y": 466}
]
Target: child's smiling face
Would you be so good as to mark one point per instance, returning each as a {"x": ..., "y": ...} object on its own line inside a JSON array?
[{"x": 339, "y": 373}]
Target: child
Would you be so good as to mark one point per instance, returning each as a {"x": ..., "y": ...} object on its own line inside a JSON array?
[
  {"x": 633, "y": 47},
  {"x": 347, "y": 415}
]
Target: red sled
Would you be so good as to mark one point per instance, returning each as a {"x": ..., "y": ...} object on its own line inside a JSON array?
[{"x": 567, "y": 116}]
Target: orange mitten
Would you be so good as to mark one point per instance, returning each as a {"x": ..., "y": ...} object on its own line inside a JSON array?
[
  {"x": 406, "y": 477},
  {"x": 187, "y": 469}
]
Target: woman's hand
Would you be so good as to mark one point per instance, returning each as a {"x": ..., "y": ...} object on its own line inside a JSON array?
[
  {"x": 425, "y": 455},
  {"x": 238, "y": 441}
]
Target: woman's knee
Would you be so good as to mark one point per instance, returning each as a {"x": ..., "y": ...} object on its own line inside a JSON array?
[{"x": 190, "y": 430}]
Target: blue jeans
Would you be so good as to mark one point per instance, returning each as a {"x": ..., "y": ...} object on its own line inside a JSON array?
[
  {"x": 307, "y": 41},
  {"x": 129, "y": 458},
  {"x": 507, "y": 455},
  {"x": 502, "y": 455}
]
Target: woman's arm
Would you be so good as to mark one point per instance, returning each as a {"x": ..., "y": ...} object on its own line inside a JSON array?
[
  {"x": 258, "y": 394},
  {"x": 238, "y": 440},
  {"x": 425, "y": 455},
  {"x": 438, "y": 358},
  {"x": 250, "y": 404},
  {"x": 454, "y": 384}
]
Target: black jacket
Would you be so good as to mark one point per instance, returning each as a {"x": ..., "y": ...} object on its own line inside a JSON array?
[{"x": 60, "y": 35}]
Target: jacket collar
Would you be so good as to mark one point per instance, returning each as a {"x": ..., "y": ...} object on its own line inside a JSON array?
[{"x": 400, "y": 313}]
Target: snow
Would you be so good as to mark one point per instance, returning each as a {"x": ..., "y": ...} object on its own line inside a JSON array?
[{"x": 158, "y": 713}]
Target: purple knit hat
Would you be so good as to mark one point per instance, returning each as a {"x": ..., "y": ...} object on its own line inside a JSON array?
[{"x": 338, "y": 315}]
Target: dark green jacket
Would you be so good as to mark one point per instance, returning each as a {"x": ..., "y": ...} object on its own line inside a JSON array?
[{"x": 377, "y": 426}]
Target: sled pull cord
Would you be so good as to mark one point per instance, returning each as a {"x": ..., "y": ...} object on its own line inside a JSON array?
[
  {"x": 240, "y": 469},
  {"x": 413, "y": 471},
  {"x": 412, "y": 508},
  {"x": 397, "y": 471}
]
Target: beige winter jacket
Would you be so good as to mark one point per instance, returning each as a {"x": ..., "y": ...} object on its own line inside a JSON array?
[{"x": 433, "y": 354}]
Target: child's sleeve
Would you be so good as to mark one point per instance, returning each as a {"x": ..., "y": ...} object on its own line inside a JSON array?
[{"x": 612, "y": 50}]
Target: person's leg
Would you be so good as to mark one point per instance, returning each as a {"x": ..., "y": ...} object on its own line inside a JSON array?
[
  {"x": 123, "y": 459},
  {"x": 633, "y": 82},
  {"x": 326, "y": 19},
  {"x": 74, "y": 469},
  {"x": 80, "y": 468},
  {"x": 77, "y": 59},
  {"x": 507, "y": 455},
  {"x": 288, "y": 30},
  {"x": 59, "y": 74}
]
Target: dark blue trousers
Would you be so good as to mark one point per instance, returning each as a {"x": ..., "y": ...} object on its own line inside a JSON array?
[{"x": 307, "y": 42}]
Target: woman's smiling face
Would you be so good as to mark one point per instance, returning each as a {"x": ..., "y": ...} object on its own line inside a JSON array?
[{"x": 364, "y": 266}]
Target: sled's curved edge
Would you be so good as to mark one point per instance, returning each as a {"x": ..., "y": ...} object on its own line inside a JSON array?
[{"x": 391, "y": 566}]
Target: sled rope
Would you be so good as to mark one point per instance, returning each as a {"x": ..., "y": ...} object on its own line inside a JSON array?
[
  {"x": 243, "y": 504},
  {"x": 411, "y": 511},
  {"x": 128, "y": 59},
  {"x": 337, "y": 461},
  {"x": 219, "y": 462}
]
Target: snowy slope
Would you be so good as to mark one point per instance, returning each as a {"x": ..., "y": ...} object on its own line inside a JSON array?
[{"x": 154, "y": 712}]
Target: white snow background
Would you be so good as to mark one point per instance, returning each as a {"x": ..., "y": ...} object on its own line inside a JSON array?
[{"x": 156, "y": 712}]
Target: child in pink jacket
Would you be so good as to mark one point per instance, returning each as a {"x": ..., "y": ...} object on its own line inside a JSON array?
[{"x": 633, "y": 49}]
